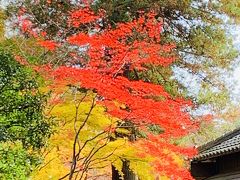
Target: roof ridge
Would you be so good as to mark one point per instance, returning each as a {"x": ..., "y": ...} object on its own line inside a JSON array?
[{"x": 219, "y": 140}]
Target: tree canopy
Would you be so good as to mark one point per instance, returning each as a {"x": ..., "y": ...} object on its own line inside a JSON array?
[
  {"x": 102, "y": 60},
  {"x": 109, "y": 65},
  {"x": 203, "y": 47}
]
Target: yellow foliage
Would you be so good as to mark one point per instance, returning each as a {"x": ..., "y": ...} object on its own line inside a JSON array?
[
  {"x": 71, "y": 115},
  {"x": 178, "y": 160},
  {"x": 2, "y": 30},
  {"x": 57, "y": 161},
  {"x": 123, "y": 131},
  {"x": 143, "y": 168},
  {"x": 52, "y": 168},
  {"x": 164, "y": 178}
]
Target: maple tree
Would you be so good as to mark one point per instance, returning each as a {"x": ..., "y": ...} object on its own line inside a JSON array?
[
  {"x": 195, "y": 27},
  {"x": 102, "y": 59},
  {"x": 99, "y": 147}
]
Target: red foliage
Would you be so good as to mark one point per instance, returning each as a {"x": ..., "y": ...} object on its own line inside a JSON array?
[
  {"x": 21, "y": 60},
  {"x": 82, "y": 16},
  {"x": 50, "y": 45},
  {"x": 136, "y": 95},
  {"x": 159, "y": 147},
  {"x": 108, "y": 54}
]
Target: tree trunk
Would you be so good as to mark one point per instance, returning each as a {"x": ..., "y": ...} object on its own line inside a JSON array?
[
  {"x": 128, "y": 174},
  {"x": 115, "y": 174}
]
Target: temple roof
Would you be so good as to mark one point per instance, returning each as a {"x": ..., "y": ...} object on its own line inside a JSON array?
[{"x": 226, "y": 144}]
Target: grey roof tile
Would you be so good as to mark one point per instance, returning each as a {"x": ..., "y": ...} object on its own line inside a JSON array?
[{"x": 227, "y": 144}]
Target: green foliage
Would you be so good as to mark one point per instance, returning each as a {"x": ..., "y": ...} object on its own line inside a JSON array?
[
  {"x": 209, "y": 131},
  {"x": 23, "y": 127},
  {"x": 26, "y": 48},
  {"x": 16, "y": 162},
  {"x": 21, "y": 104},
  {"x": 207, "y": 96},
  {"x": 231, "y": 7}
]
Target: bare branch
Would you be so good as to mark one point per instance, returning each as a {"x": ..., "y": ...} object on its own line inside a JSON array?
[{"x": 74, "y": 158}]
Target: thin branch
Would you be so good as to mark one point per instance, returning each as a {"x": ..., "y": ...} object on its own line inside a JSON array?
[
  {"x": 85, "y": 143},
  {"x": 46, "y": 164},
  {"x": 92, "y": 153},
  {"x": 86, "y": 161},
  {"x": 76, "y": 116},
  {"x": 74, "y": 158}
]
